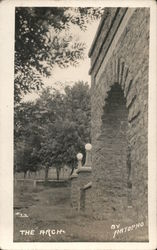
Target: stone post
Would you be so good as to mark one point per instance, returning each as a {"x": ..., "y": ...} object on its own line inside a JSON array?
[
  {"x": 84, "y": 173},
  {"x": 88, "y": 148},
  {"x": 75, "y": 183}
]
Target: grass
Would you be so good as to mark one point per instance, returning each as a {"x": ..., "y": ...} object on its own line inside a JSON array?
[{"x": 48, "y": 208}]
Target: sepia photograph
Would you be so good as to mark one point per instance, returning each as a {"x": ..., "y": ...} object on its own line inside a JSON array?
[{"x": 81, "y": 113}]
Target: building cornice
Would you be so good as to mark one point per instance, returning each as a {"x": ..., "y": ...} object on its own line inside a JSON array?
[{"x": 100, "y": 50}]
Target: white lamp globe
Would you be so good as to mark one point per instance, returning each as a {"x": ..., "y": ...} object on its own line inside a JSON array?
[
  {"x": 88, "y": 146},
  {"x": 79, "y": 156}
]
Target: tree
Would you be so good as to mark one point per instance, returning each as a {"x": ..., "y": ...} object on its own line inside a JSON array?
[
  {"x": 53, "y": 129},
  {"x": 27, "y": 139},
  {"x": 43, "y": 39},
  {"x": 77, "y": 126},
  {"x": 68, "y": 126},
  {"x": 51, "y": 108}
]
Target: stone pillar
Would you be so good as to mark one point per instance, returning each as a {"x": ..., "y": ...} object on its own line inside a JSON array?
[
  {"x": 75, "y": 183},
  {"x": 88, "y": 148},
  {"x": 84, "y": 173}
]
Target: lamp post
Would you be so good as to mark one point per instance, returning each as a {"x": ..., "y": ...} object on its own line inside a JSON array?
[
  {"x": 79, "y": 158},
  {"x": 88, "y": 148}
]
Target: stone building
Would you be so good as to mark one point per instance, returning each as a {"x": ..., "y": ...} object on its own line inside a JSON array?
[
  {"x": 117, "y": 185},
  {"x": 119, "y": 93}
]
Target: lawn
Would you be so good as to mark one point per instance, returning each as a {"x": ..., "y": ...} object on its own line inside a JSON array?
[{"x": 44, "y": 214}]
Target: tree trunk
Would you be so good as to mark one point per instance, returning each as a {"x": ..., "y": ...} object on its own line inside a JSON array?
[
  {"x": 58, "y": 173},
  {"x": 72, "y": 170},
  {"x": 29, "y": 173},
  {"x": 25, "y": 172},
  {"x": 46, "y": 173}
]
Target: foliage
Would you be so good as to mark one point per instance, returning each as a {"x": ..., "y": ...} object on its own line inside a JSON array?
[
  {"x": 57, "y": 126},
  {"x": 43, "y": 39},
  {"x": 26, "y": 138}
]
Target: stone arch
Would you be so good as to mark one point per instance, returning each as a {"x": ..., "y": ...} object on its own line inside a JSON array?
[
  {"x": 120, "y": 56},
  {"x": 109, "y": 193},
  {"x": 115, "y": 146},
  {"x": 121, "y": 74},
  {"x": 119, "y": 113}
]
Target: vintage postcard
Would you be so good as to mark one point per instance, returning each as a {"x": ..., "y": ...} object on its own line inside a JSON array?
[{"x": 78, "y": 124}]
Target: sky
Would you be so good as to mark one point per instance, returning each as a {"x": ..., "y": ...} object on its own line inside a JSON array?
[{"x": 71, "y": 74}]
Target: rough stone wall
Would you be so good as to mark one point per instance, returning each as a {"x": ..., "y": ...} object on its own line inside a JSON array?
[
  {"x": 84, "y": 177},
  {"x": 127, "y": 67},
  {"x": 88, "y": 198},
  {"x": 85, "y": 203},
  {"x": 112, "y": 154},
  {"x": 75, "y": 193},
  {"x": 78, "y": 192}
]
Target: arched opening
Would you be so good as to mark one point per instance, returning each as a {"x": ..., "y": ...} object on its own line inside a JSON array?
[{"x": 115, "y": 149}]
